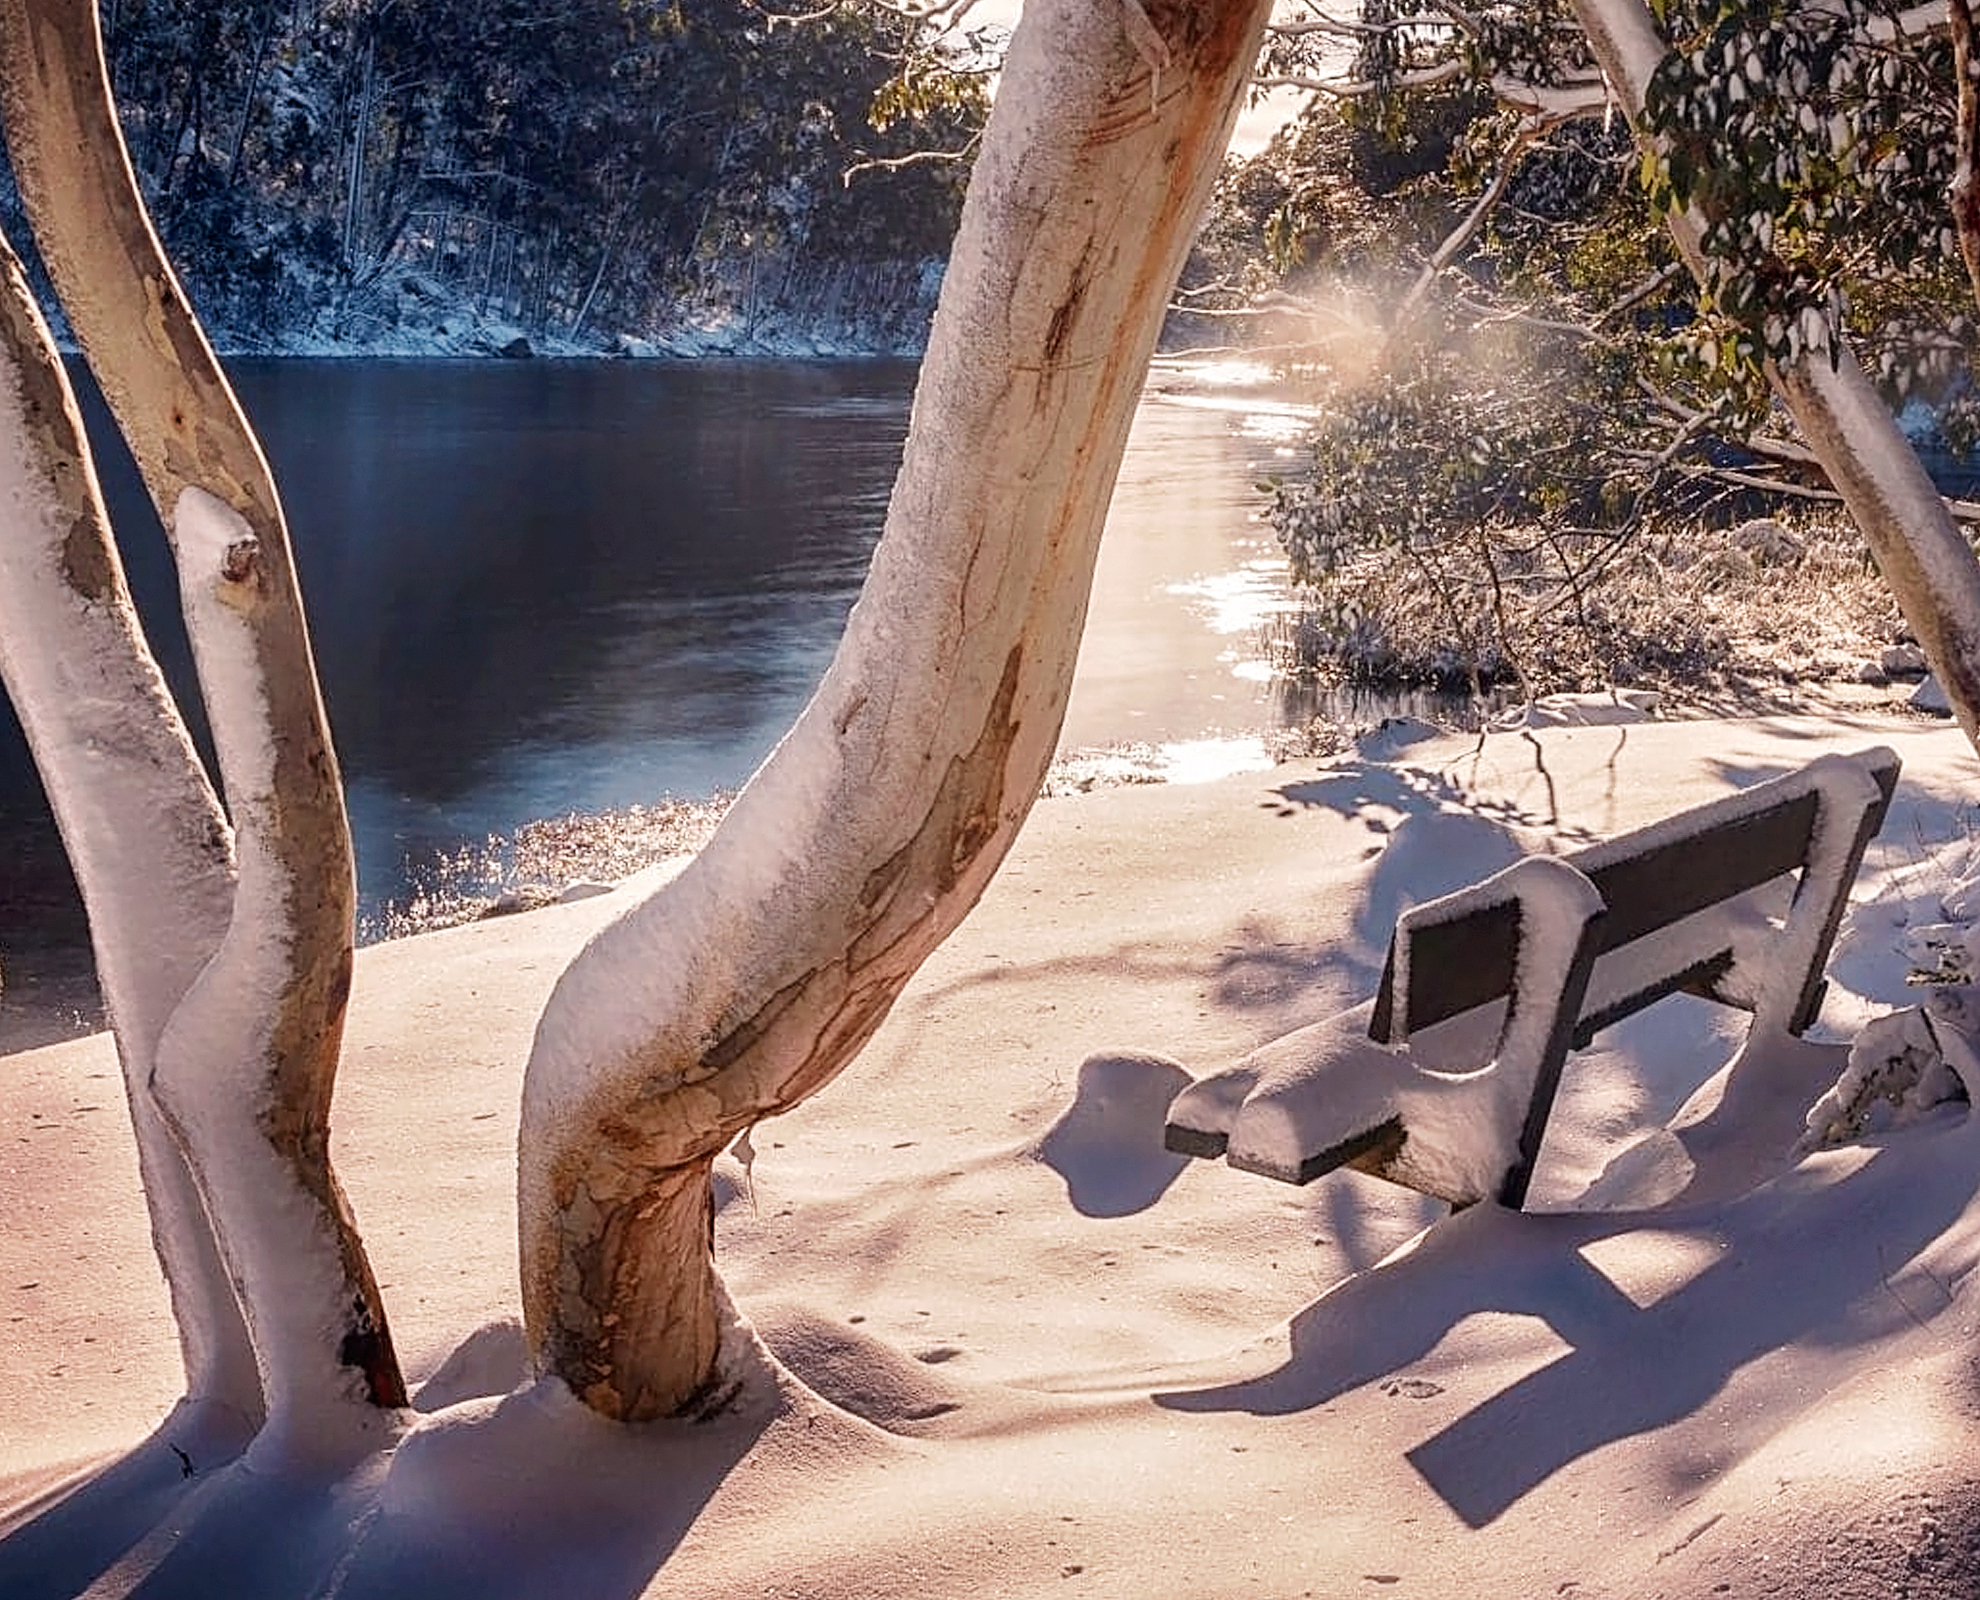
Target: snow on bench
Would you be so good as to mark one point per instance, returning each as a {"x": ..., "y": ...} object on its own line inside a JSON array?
[{"x": 1737, "y": 900}]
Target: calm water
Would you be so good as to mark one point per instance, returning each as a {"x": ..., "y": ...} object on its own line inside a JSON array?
[{"x": 541, "y": 587}]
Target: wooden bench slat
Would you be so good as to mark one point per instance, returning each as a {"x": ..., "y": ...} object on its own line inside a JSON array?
[
  {"x": 1456, "y": 966},
  {"x": 1675, "y": 880},
  {"x": 1708, "y": 855}
]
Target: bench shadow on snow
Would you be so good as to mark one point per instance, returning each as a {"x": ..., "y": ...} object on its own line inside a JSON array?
[
  {"x": 1809, "y": 1256},
  {"x": 1107, "y": 1145}
]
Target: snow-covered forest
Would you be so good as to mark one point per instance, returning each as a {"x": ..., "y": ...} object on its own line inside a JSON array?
[{"x": 406, "y": 176}]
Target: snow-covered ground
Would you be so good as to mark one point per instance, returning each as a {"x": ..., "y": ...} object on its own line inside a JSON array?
[
  {"x": 877, "y": 309},
  {"x": 997, "y": 1343}
]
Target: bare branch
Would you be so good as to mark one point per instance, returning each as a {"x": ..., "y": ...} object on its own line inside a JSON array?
[
  {"x": 1559, "y": 102},
  {"x": 914, "y": 158},
  {"x": 1354, "y": 89},
  {"x": 1652, "y": 283},
  {"x": 1524, "y": 136}
]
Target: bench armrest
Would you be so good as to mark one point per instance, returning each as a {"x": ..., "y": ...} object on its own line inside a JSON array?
[{"x": 1328, "y": 1096}]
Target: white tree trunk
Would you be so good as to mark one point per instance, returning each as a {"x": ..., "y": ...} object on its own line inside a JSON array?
[
  {"x": 153, "y": 851},
  {"x": 754, "y": 978},
  {"x": 1918, "y": 547},
  {"x": 246, "y": 1062}
]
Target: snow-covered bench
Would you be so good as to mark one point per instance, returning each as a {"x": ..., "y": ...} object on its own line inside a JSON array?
[{"x": 1738, "y": 900}]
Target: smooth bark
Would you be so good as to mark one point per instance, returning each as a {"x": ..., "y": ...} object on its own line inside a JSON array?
[
  {"x": 246, "y": 1064},
  {"x": 756, "y": 976},
  {"x": 153, "y": 851},
  {"x": 1917, "y": 545}
]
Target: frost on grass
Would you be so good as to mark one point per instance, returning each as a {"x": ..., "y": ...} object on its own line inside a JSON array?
[{"x": 544, "y": 862}]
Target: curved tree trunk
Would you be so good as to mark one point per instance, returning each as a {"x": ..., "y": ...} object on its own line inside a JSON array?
[
  {"x": 1918, "y": 547},
  {"x": 246, "y": 1065},
  {"x": 755, "y": 976},
  {"x": 153, "y": 851},
  {"x": 1965, "y": 196}
]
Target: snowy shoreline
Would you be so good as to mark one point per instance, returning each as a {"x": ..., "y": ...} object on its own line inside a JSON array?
[
  {"x": 578, "y": 854},
  {"x": 1011, "y": 1338}
]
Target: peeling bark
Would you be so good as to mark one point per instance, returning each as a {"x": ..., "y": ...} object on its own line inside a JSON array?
[
  {"x": 1918, "y": 547},
  {"x": 269, "y": 1087},
  {"x": 129, "y": 795},
  {"x": 752, "y": 980}
]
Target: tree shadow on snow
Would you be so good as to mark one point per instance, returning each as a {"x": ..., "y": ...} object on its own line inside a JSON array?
[
  {"x": 514, "y": 1499},
  {"x": 1441, "y": 838},
  {"x": 70, "y": 1536},
  {"x": 538, "y": 1496}
]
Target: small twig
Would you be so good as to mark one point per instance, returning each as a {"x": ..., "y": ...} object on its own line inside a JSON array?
[
  {"x": 1546, "y": 777},
  {"x": 1891, "y": 1289},
  {"x": 914, "y": 158}
]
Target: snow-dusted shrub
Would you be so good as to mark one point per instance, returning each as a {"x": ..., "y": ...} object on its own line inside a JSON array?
[
  {"x": 1768, "y": 543},
  {"x": 1907, "y": 1061},
  {"x": 1897, "y": 1072},
  {"x": 1682, "y": 609}
]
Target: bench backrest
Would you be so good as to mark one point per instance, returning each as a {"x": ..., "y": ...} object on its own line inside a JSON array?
[{"x": 1653, "y": 879}]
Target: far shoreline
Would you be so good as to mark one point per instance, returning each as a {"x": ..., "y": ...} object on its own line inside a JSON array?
[{"x": 70, "y": 1007}]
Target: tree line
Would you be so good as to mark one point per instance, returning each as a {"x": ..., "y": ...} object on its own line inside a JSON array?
[
  {"x": 1471, "y": 237},
  {"x": 341, "y": 167}
]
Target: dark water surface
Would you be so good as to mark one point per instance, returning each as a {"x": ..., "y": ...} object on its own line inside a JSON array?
[
  {"x": 544, "y": 587},
  {"x": 541, "y": 587}
]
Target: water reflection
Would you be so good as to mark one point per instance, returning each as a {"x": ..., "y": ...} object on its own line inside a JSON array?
[
  {"x": 1186, "y": 578},
  {"x": 546, "y": 586},
  {"x": 541, "y": 587}
]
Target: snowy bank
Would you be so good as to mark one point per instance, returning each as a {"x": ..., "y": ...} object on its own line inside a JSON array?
[{"x": 998, "y": 1343}]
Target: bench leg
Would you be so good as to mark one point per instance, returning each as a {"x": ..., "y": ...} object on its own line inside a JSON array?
[{"x": 1547, "y": 1070}]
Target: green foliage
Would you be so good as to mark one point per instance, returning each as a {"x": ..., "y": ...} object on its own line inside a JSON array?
[
  {"x": 1329, "y": 194},
  {"x": 1565, "y": 387},
  {"x": 931, "y": 87},
  {"x": 1814, "y": 142}
]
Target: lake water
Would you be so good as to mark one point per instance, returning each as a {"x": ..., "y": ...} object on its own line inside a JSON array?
[{"x": 538, "y": 588}]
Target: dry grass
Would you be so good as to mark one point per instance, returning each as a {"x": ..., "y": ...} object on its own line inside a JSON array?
[
  {"x": 1702, "y": 616},
  {"x": 541, "y": 860}
]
